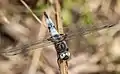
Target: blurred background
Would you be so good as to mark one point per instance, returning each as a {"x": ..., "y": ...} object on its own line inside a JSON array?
[{"x": 93, "y": 30}]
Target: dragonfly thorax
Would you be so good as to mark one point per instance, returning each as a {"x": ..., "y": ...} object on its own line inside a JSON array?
[{"x": 62, "y": 50}]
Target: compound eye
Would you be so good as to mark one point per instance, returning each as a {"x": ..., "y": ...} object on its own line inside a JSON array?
[
  {"x": 62, "y": 55},
  {"x": 67, "y": 53}
]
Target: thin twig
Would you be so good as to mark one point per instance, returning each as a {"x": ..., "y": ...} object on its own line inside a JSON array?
[
  {"x": 63, "y": 64},
  {"x": 36, "y": 54},
  {"x": 32, "y": 12}
]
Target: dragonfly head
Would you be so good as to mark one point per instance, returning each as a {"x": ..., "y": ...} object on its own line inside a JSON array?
[{"x": 65, "y": 55}]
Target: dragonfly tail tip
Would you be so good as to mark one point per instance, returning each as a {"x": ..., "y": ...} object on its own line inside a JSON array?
[{"x": 45, "y": 14}]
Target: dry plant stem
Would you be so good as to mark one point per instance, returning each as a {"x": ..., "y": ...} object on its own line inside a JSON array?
[
  {"x": 34, "y": 63},
  {"x": 93, "y": 68},
  {"x": 32, "y": 12},
  {"x": 46, "y": 68},
  {"x": 63, "y": 64},
  {"x": 36, "y": 54},
  {"x": 4, "y": 19},
  {"x": 58, "y": 18}
]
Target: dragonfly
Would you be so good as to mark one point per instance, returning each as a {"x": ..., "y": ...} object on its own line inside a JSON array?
[
  {"x": 58, "y": 40},
  {"x": 47, "y": 42}
]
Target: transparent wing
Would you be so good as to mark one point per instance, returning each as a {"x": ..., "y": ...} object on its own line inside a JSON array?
[
  {"x": 45, "y": 43},
  {"x": 26, "y": 47}
]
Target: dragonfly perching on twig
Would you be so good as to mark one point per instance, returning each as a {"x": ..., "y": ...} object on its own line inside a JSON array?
[
  {"x": 46, "y": 42},
  {"x": 58, "y": 40}
]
